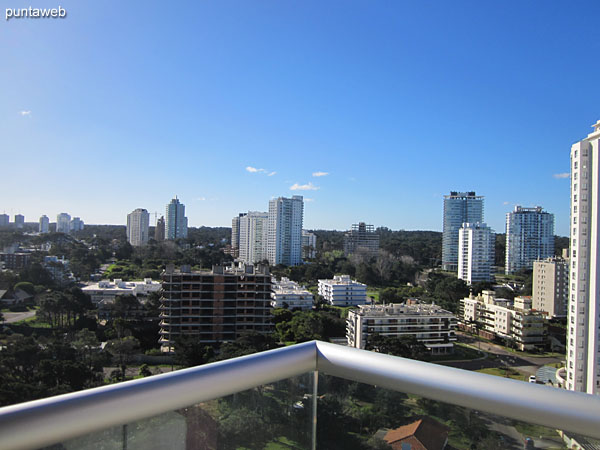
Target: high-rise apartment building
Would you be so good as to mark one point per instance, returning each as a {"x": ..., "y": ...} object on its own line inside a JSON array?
[
  {"x": 4, "y": 220},
  {"x": 459, "y": 208},
  {"x": 529, "y": 237},
  {"x": 475, "y": 252},
  {"x": 214, "y": 306},
  {"x": 19, "y": 221},
  {"x": 361, "y": 238},
  {"x": 551, "y": 286},
  {"x": 285, "y": 230},
  {"x": 159, "y": 231},
  {"x": 63, "y": 223},
  {"x": 235, "y": 235},
  {"x": 176, "y": 223},
  {"x": 138, "y": 223},
  {"x": 309, "y": 245},
  {"x": 76, "y": 224},
  {"x": 583, "y": 339},
  {"x": 44, "y": 224},
  {"x": 253, "y": 237}
]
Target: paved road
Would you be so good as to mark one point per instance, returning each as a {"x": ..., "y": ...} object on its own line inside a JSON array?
[{"x": 10, "y": 317}]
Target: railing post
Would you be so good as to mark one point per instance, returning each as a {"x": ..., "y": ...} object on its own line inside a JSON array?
[{"x": 314, "y": 408}]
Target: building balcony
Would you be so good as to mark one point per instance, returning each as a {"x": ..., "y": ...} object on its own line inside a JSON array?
[{"x": 294, "y": 396}]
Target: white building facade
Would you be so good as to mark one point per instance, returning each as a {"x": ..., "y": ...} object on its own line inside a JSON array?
[
  {"x": 289, "y": 294},
  {"x": 429, "y": 324},
  {"x": 63, "y": 223},
  {"x": 583, "y": 339},
  {"x": 513, "y": 321},
  {"x": 253, "y": 237},
  {"x": 138, "y": 224},
  {"x": 107, "y": 291},
  {"x": 44, "y": 224},
  {"x": 343, "y": 291},
  {"x": 285, "y": 231},
  {"x": 529, "y": 237},
  {"x": 475, "y": 252},
  {"x": 550, "y": 286}
]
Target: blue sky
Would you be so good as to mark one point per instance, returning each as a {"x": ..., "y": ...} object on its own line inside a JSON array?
[{"x": 125, "y": 104}]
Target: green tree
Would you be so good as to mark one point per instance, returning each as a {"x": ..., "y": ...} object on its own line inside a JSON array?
[{"x": 122, "y": 350}]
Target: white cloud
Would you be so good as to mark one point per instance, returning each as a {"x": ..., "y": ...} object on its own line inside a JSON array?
[
  {"x": 506, "y": 203},
  {"x": 320, "y": 174},
  {"x": 309, "y": 199},
  {"x": 271, "y": 174},
  {"x": 254, "y": 169},
  {"x": 558, "y": 176},
  {"x": 201, "y": 199},
  {"x": 25, "y": 113},
  {"x": 304, "y": 187}
]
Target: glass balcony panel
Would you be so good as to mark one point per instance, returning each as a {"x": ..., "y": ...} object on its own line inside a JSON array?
[
  {"x": 361, "y": 416},
  {"x": 274, "y": 416}
]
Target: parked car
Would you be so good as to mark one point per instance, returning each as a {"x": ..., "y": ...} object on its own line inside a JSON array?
[{"x": 532, "y": 379}]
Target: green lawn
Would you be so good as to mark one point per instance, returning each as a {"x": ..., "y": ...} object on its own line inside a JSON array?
[
  {"x": 374, "y": 292},
  {"x": 283, "y": 443},
  {"x": 461, "y": 352},
  {"x": 502, "y": 372}
]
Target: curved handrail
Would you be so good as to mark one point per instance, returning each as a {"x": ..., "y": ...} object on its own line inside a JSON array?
[{"x": 55, "y": 419}]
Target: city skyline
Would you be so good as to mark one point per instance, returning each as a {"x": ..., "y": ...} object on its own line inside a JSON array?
[{"x": 372, "y": 112}]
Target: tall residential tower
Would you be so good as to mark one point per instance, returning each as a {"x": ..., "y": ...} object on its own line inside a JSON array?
[
  {"x": 253, "y": 237},
  {"x": 459, "y": 208},
  {"x": 285, "y": 230},
  {"x": 176, "y": 222},
  {"x": 529, "y": 237},
  {"x": 475, "y": 252},
  {"x": 138, "y": 222},
  {"x": 583, "y": 346}
]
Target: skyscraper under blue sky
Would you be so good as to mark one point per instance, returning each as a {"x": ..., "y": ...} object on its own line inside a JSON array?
[
  {"x": 376, "y": 107},
  {"x": 459, "y": 208},
  {"x": 176, "y": 222}
]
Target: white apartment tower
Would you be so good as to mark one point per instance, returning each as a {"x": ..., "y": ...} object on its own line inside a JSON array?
[
  {"x": 176, "y": 223},
  {"x": 529, "y": 237},
  {"x": 253, "y": 237},
  {"x": 475, "y": 252},
  {"x": 44, "y": 224},
  {"x": 285, "y": 230},
  {"x": 459, "y": 208},
  {"x": 583, "y": 346},
  {"x": 63, "y": 223},
  {"x": 138, "y": 222}
]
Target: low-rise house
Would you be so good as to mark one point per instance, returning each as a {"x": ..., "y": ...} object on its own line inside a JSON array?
[
  {"x": 431, "y": 325},
  {"x": 107, "y": 291},
  {"x": 423, "y": 434},
  {"x": 9, "y": 297},
  {"x": 288, "y": 294}
]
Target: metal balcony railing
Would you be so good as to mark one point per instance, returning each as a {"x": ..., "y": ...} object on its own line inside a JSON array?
[{"x": 44, "y": 422}]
